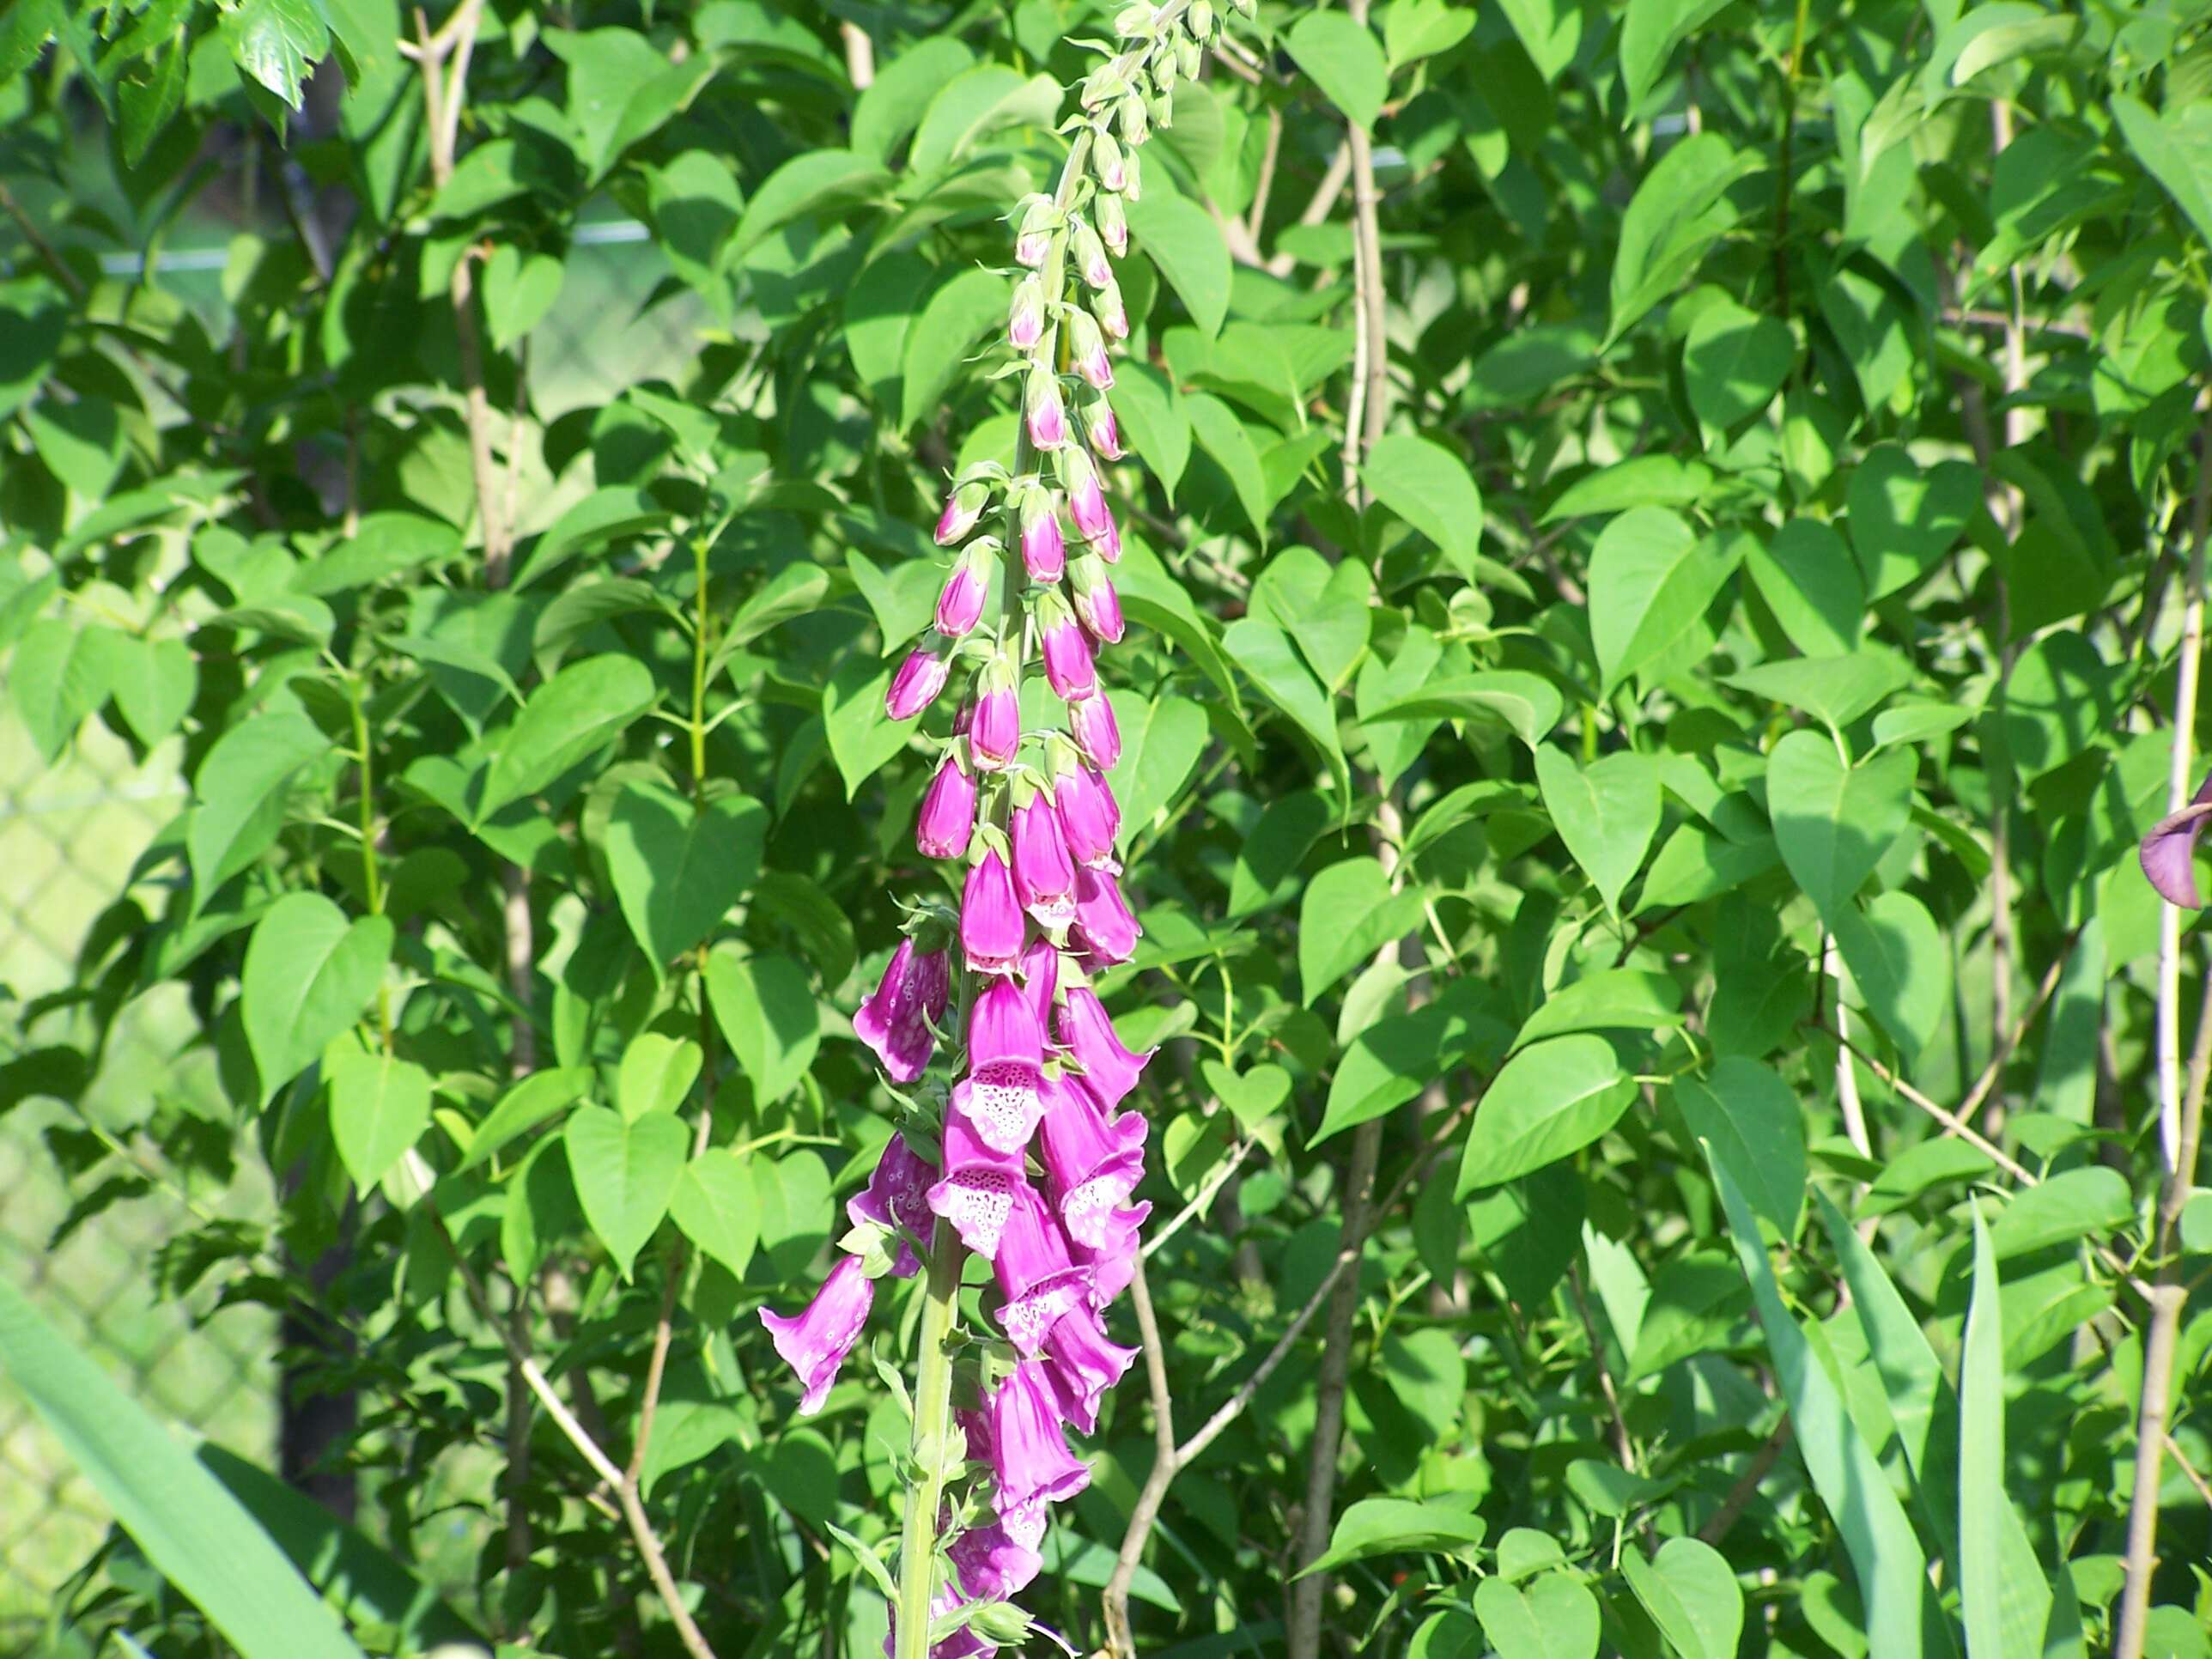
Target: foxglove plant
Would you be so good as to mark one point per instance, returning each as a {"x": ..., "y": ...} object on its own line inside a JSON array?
[{"x": 1023, "y": 1155}]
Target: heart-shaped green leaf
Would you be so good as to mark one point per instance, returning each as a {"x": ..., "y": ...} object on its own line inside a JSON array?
[
  {"x": 625, "y": 1173},
  {"x": 308, "y": 973},
  {"x": 1605, "y": 812},
  {"x": 379, "y": 1107},
  {"x": 676, "y": 868},
  {"x": 1833, "y": 823},
  {"x": 767, "y": 1014}
]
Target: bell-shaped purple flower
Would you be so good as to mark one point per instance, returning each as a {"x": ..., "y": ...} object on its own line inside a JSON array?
[
  {"x": 815, "y": 1344},
  {"x": 1068, "y": 662},
  {"x": 1092, "y": 1163},
  {"x": 1113, "y": 1263},
  {"x": 960, "y": 602},
  {"x": 1091, "y": 723},
  {"x": 964, "y": 1644},
  {"x": 1041, "y": 1280},
  {"x": 1044, "y": 553},
  {"x": 1113, "y": 315},
  {"x": 977, "y": 1192},
  {"x": 994, "y": 723},
  {"x": 962, "y": 507},
  {"x": 1086, "y": 350},
  {"x": 1096, "y": 605},
  {"x": 915, "y": 683},
  {"x": 1040, "y": 973},
  {"x": 1033, "y": 238},
  {"x": 1100, "y": 429},
  {"x": 1005, "y": 1066},
  {"x": 896, "y": 1196},
  {"x": 2168, "y": 853},
  {"x": 1089, "y": 816},
  {"x": 1086, "y": 1031},
  {"x": 1113, "y": 221},
  {"x": 1000, "y": 1560},
  {"x": 1083, "y": 1365},
  {"x": 1025, "y": 317},
  {"x": 1041, "y": 407},
  {"x": 1029, "y": 1449},
  {"x": 898, "y": 1021},
  {"x": 1102, "y": 916},
  {"x": 1045, "y": 875},
  {"x": 948, "y": 812},
  {"x": 991, "y": 928},
  {"x": 1089, "y": 256}
]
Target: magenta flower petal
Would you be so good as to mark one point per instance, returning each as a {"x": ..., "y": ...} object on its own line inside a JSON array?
[
  {"x": 815, "y": 1344},
  {"x": 993, "y": 1562},
  {"x": 896, "y": 1020},
  {"x": 1102, "y": 916},
  {"x": 1044, "y": 552},
  {"x": 991, "y": 927},
  {"x": 1040, "y": 974},
  {"x": 1083, "y": 1365},
  {"x": 994, "y": 726},
  {"x": 1068, "y": 662},
  {"x": 1113, "y": 1263},
  {"x": 1044, "y": 874},
  {"x": 1092, "y": 1162},
  {"x": 1029, "y": 1447},
  {"x": 1044, "y": 412},
  {"x": 962, "y": 507},
  {"x": 916, "y": 684},
  {"x": 896, "y": 1196},
  {"x": 960, "y": 602},
  {"x": 1041, "y": 1280},
  {"x": 2168, "y": 853},
  {"x": 1097, "y": 606},
  {"x": 948, "y": 812},
  {"x": 1089, "y": 818},
  {"x": 1086, "y": 1032},
  {"x": 977, "y": 1193},
  {"x": 1090, "y": 722}
]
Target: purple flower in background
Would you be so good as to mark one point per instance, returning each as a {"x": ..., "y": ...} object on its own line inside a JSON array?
[
  {"x": 1102, "y": 916},
  {"x": 1088, "y": 812},
  {"x": 991, "y": 928},
  {"x": 916, "y": 684},
  {"x": 1083, "y": 1364},
  {"x": 947, "y": 818},
  {"x": 1097, "y": 606},
  {"x": 1086, "y": 1032},
  {"x": 2168, "y": 853},
  {"x": 815, "y": 1344},
  {"x": 1091, "y": 723},
  {"x": 1044, "y": 553},
  {"x": 1045, "y": 875},
  {"x": 1029, "y": 1449},
  {"x": 1041, "y": 1280},
  {"x": 896, "y": 1196},
  {"x": 898, "y": 1020}
]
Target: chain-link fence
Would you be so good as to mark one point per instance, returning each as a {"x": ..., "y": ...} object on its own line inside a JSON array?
[{"x": 70, "y": 834}]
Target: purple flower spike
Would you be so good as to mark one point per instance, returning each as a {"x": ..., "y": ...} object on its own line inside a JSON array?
[
  {"x": 1043, "y": 1281},
  {"x": 1088, "y": 813},
  {"x": 2168, "y": 853},
  {"x": 948, "y": 812},
  {"x": 1030, "y": 1453},
  {"x": 991, "y": 929},
  {"x": 1006, "y": 1056},
  {"x": 1097, "y": 606},
  {"x": 815, "y": 1344},
  {"x": 1102, "y": 918},
  {"x": 1091, "y": 723},
  {"x": 896, "y": 1196},
  {"x": 1041, "y": 407},
  {"x": 1045, "y": 875},
  {"x": 916, "y": 684},
  {"x": 1083, "y": 1365},
  {"x": 897, "y": 1021},
  {"x": 977, "y": 1193},
  {"x": 1041, "y": 978},
  {"x": 1044, "y": 553},
  {"x": 1086, "y": 1031},
  {"x": 1067, "y": 664},
  {"x": 1000, "y": 1560}
]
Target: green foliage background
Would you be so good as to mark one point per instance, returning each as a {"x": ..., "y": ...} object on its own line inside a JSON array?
[{"x": 1661, "y": 815}]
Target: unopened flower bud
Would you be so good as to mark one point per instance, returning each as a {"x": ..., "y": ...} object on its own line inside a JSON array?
[
  {"x": 1133, "y": 187},
  {"x": 1044, "y": 551},
  {"x": 1047, "y": 415},
  {"x": 1090, "y": 257},
  {"x": 1136, "y": 119},
  {"x": 1097, "y": 606},
  {"x": 948, "y": 812},
  {"x": 1165, "y": 67},
  {"x": 1039, "y": 220},
  {"x": 916, "y": 684},
  {"x": 1132, "y": 20},
  {"x": 1106, "y": 162},
  {"x": 1087, "y": 501},
  {"x": 1112, "y": 316},
  {"x": 994, "y": 721},
  {"x": 1067, "y": 664},
  {"x": 1113, "y": 224},
  {"x": 1002, "y": 1624},
  {"x": 1201, "y": 23},
  {"x": 1189, "y": 55},
  {"x": 1245, "y": 8},
  {"x": 1091, "y": 723},
  {"x": 961, "y": 509},
  {"x": 1025, "y": 318},
  {"x": 1087, "y": 348},
  {"x": 960, "y": 604},
  {"x": 1100, "y": 429}
]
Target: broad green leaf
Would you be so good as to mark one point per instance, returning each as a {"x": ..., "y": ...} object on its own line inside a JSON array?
[
  {"x": 1639, "y": 481},
  {"x": 945, "y": 335},
  {"x": 1751, "y": 1121},
  {"x": 1678, "y": 212},
  {"x": 1833, "y": 823},
  {"x": 2002, "y": 1593},
  {"x": 1611, "y": 999},
  {"x": 862, "y": 736},
  {"x": 1349, "y": 913},
  {"x": 1342, "y": 58},
  {"x": 796, "y": 1214},
  {"x": 1427, "y": 486},
  {"x": 308, "y": 974},
  {"x": 524, "y": 1107},
  {"x": 241, "y": 794},
  {"x": 1222, "y": 435},
  {"x": 62, "y": 671},
  {"x": 1548, "y": 1103},
  {"x": 1695, "y": 1304},
  {"x": 1181, "y": 239},
  {"x": 767, "y": 1014},
  {"x": 1904, "y": 517},
  {"x": 2063, "y": 698},
  {"x": 1526, "y": 705},
  {"x": 901, "y": 600},
  {"x": 154, "y": 681},
  {"x": 1691, "y": 1595},
  {"x": 624, "y": 1174},
  {"x": 1809, "y": 581},
  {"x": 1734, "y": 360},
  {"x": 276, "y": 43},
  {"x": 82, "y": 442},
  {"x": 1161, "y": 743},
  {"x": 1267, "y": 859},
  {"x": 657, "y": 1073},
  {"x": 2070, "y": 1204},
  {"x": 1413, "y": 29},
  {"x": 379, "y": 1107},
  {"x": 614, "y": 512},
  {"x": 1649, "y": 32},
  {"x": 677, "y": 867},
  {"x": 1394, "y": 1059},
  {"x": 1899, "y": 963},
  {"x": 578, "y": 712},
  {"x": 1891, "y": 1569},
  {"x": 974, "y": 104},
  {"x": 811, "y": 181},
  {"x": 1554, "y": 1616},
  {"x": 1266, "y": 653},
  {"x": 1528, "y": 1232},
  {"x": 194, "y": 1534},
  {"x": 1149, "y": 411},
  {"x": 1651, "y": 579},
  {"x": 1395, "y": 1526},
  {"x": 1835, "y": 690},
  {"x": 891, "y": 105},
  {"x": 1605, "y": 812},
  {"x": 717, "y": 1205},
  {"x": 2176, "y": 148},
  {"x": 1550, "y": 32},
  {"x": 520, "y": 289}
]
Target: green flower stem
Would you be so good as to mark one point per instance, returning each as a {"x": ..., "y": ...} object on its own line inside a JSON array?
[{"x": 933, "y": 1409}]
